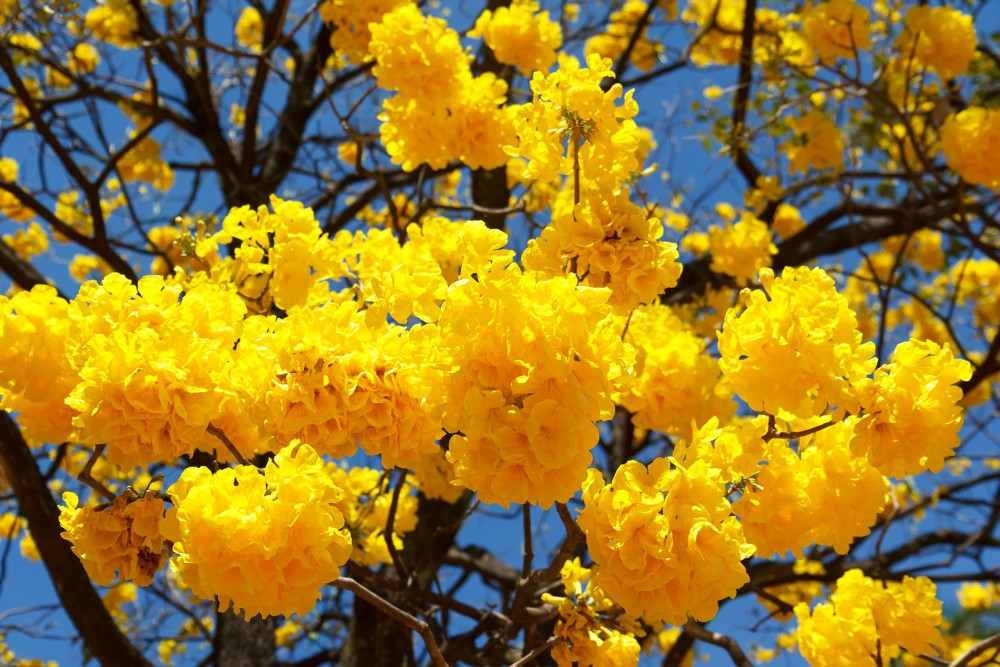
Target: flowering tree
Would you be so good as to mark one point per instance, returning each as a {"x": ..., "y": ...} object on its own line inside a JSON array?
[{"x": 300, "y": 294}]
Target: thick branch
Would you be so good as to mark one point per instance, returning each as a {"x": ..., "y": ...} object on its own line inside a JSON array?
[{"x": 82, "y": 603}]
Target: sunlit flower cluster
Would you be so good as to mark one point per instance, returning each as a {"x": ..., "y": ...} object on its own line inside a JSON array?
[
  {"x": 866, "y": 617},
  {"x": 266, "y": 543},
  {"x": 664, "y": 539},
  {"x": 124, "y": 537}
]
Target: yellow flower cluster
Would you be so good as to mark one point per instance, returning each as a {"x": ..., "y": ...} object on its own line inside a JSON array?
[
  {"x": 588, "y": 628},
  {"x": 152, "y": 367},
  {"x": 801, "y": 328},
  {"x": 28, "y": 242},
  {"x": 787, "y": 221},
  {"x": 569, "y": 104},
  {"x": 721, "y": 22},
  {"x": 977, "y": 282},
  {"x": 818, "y": 143},
  {"x": 533, "y": 366},
  {"x": 125, "y": 536},
  {"x": 912, "y": 417},
  {"x": 520, "y": 35},
  {"x": 837, "y": 29},
  {"x": 664, "y": 540},
  {"x": 365, "y": 506},
  {"x": 35, "y": 376},
  {"x": 790, "y": 503},
  {"x": 350, "y": 22},
  {"x": 143, "y": 163},
  {"x": 677, "y": 382},
  {"x": 265, "y": 543},
  {"x": 977, "y": 596},
  {"x": 250, "y": 29},
  {"x": 941, "y": 38},
  {"x": 742, "y": 249},
  {"x": 283, "y": 256},
  {"x": 619, "y": 34},
  {"x": 866, "y": 617},
  {"x": 441, "y": 112},
  {"x": 323, "y": 376},
  {"x": 10, "y": 205},
  {"x": 607, "y": 241},
  {"x": 970, "y": 140},
  {"x": 114, "y": 22}
]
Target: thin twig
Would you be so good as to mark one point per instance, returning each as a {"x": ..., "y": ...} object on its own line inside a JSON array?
[
  {"x": 221, "y": 435},
  {"x": 89, "y": 480},
  {"x": 538, "y": 650},
  {"x": 390, "y": 523},
  {"x": 396, "y": 614}
]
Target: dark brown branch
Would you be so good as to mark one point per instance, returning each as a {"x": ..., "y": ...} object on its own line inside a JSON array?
[
  {"x": 397, "y": 615},
  {"x": 103, "y": 638}
]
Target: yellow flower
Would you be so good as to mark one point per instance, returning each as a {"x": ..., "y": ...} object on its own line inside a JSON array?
[
  {"x": 664, "y": 540},
  {"x": 912, "y": 417},
  {"x": 36, "y": 376},
  {"x": 125, "y": 536},
  {"x": 679, "y": 382},
  {"x": 787, "y": 221},
  {"x": 865, "y": 617},
  {"x": 976, "y": 596},
  {"x": 837, "y": 29},
  {"x": 520, "y": 35},
  {"x": 819, "y": 143},
  {"x": 114, "y": 22},
  {"x": 535, "y": 362},
  {"x": 608, "y": 242},
  {"x": 83, "y": 59},
  {"x": 265, "y": 543},
  {"x": 351, "y": 21},
  {"x": 152, "y": 367},
  {"x": 591, "y": 629},
  {"x": 619, "y": 36},
  {"x": 788, "y": 506},
  {"x": 801, "y": 329},
  {"x": 143, "y": 163},
  {"x": 941, "y": 38},
  {"x": 741, "y": 250},
  {"x": 365, "y": 505},
  {"x": 421, "y": 57},
  {"x": 250, "y": 29},
  {"x": 970, "y": 140}
]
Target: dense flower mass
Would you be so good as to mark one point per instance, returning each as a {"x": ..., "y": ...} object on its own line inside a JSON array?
[
  {"x": 819, "y": 144},
  {"x": 534, "y": 364},
  {"x": 589, "y": 628},
  {"x": 664, "y": 540},
  {"x": 970, "y": 140},
  {"x": 837, "y": 29},
  {"x": 677, "y": 381},
  {"x": 866, "y": 617},
  {"x": 608, "y": 241},
  {"x": 798, "y": 326},
  {"x": 912, "y": 417},
  {"x": 124, "y": 537},
  {"x": 268, "y": 390},
  {"x": 152, "y": 366},
  {"x": 788, "y": 505},
  {"x": 266, "y": 543},
  {"x": 941, "y": 38},
  {"x": 521, "y": 35},
  {"x": 570, "y": 104},
  {"x": 742, "y": 249},
  {"x": 352, "y": 20}
]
